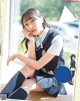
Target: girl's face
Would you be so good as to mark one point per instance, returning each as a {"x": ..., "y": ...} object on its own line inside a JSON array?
[{"x": 34, "y": 26}]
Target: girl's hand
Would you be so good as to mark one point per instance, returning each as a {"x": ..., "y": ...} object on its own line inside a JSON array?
[
  {"x": 11, "y": 58},
  {"x": 27, "y": 34}
]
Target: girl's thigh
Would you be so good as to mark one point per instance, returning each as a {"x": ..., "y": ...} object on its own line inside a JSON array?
[
  {"x": 27, "y": 71},
  {"x": 31, "y": 85}
]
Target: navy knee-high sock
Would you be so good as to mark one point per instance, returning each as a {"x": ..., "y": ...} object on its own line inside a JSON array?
[
  {"x": 20, "y": 94},
  {"x": 14, "y": 83}
]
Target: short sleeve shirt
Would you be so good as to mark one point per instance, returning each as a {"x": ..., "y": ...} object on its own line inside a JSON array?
[{"x": 56, "y": 43}]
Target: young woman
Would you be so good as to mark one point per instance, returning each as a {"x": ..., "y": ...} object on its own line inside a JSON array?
[{"x": 45, "y": 53}]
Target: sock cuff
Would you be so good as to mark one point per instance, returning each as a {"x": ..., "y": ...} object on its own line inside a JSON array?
[
  {"x": 21, "y": 74},
  {"x": 20, "y": 94}
]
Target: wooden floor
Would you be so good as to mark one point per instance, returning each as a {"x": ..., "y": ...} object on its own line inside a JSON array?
[
  {"x": 43, "y": 96},
  {"x": 35, "y": 96}
]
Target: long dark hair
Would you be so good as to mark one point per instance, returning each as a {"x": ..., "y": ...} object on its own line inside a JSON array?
[{"x": 31, "y": 13}]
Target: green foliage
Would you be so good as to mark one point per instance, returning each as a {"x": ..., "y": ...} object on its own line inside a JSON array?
[
  {"x": 67, "y": 58},
  {"x": 21, "y": 47},
  {"x": 51, "y": 9}
]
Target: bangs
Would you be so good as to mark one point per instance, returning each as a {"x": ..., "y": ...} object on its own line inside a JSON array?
[
  {"x": 32, "y": 13},
  {"x": 29, "y": 16}
]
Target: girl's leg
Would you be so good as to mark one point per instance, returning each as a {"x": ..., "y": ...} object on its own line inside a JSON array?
[
  {"x": 27, "y": 71},
  {"x": 27, "y": 86},
  {"x": 31, "y": 85},
  {"x": 17, "y": 80}
]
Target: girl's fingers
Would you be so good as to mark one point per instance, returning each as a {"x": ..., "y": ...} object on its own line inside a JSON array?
[
  {"x": 24, "y": 31},
  {"x": 27, "y": 34},
  {"x": 9, "y": 59}
]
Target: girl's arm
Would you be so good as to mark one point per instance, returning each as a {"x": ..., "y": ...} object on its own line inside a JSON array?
[
  {"x": 53, "y": 50},
  {"x": 31, "y": 62},
  {"x": 31, "y": 50},
  {"x": 31, "y": 47}
]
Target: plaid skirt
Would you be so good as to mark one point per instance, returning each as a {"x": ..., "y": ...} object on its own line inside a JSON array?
[{"x": 49, "y": 83}]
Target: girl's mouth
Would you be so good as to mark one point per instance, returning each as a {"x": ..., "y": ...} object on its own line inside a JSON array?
[{"x": 33, "y": 31}]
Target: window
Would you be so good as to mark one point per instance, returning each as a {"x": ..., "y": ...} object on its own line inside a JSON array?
[{"x": 11, "y": 30}]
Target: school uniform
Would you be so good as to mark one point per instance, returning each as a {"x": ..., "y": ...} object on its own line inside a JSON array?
[{"x": 51, "y": 42}]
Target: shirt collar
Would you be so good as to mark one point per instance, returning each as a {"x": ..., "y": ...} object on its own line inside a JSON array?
[{"x": 43, "y": 35}]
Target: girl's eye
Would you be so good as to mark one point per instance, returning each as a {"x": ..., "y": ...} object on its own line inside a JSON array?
[
  {"x": 26, "y": 24},
  {"x": 32, "y": 20}
]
